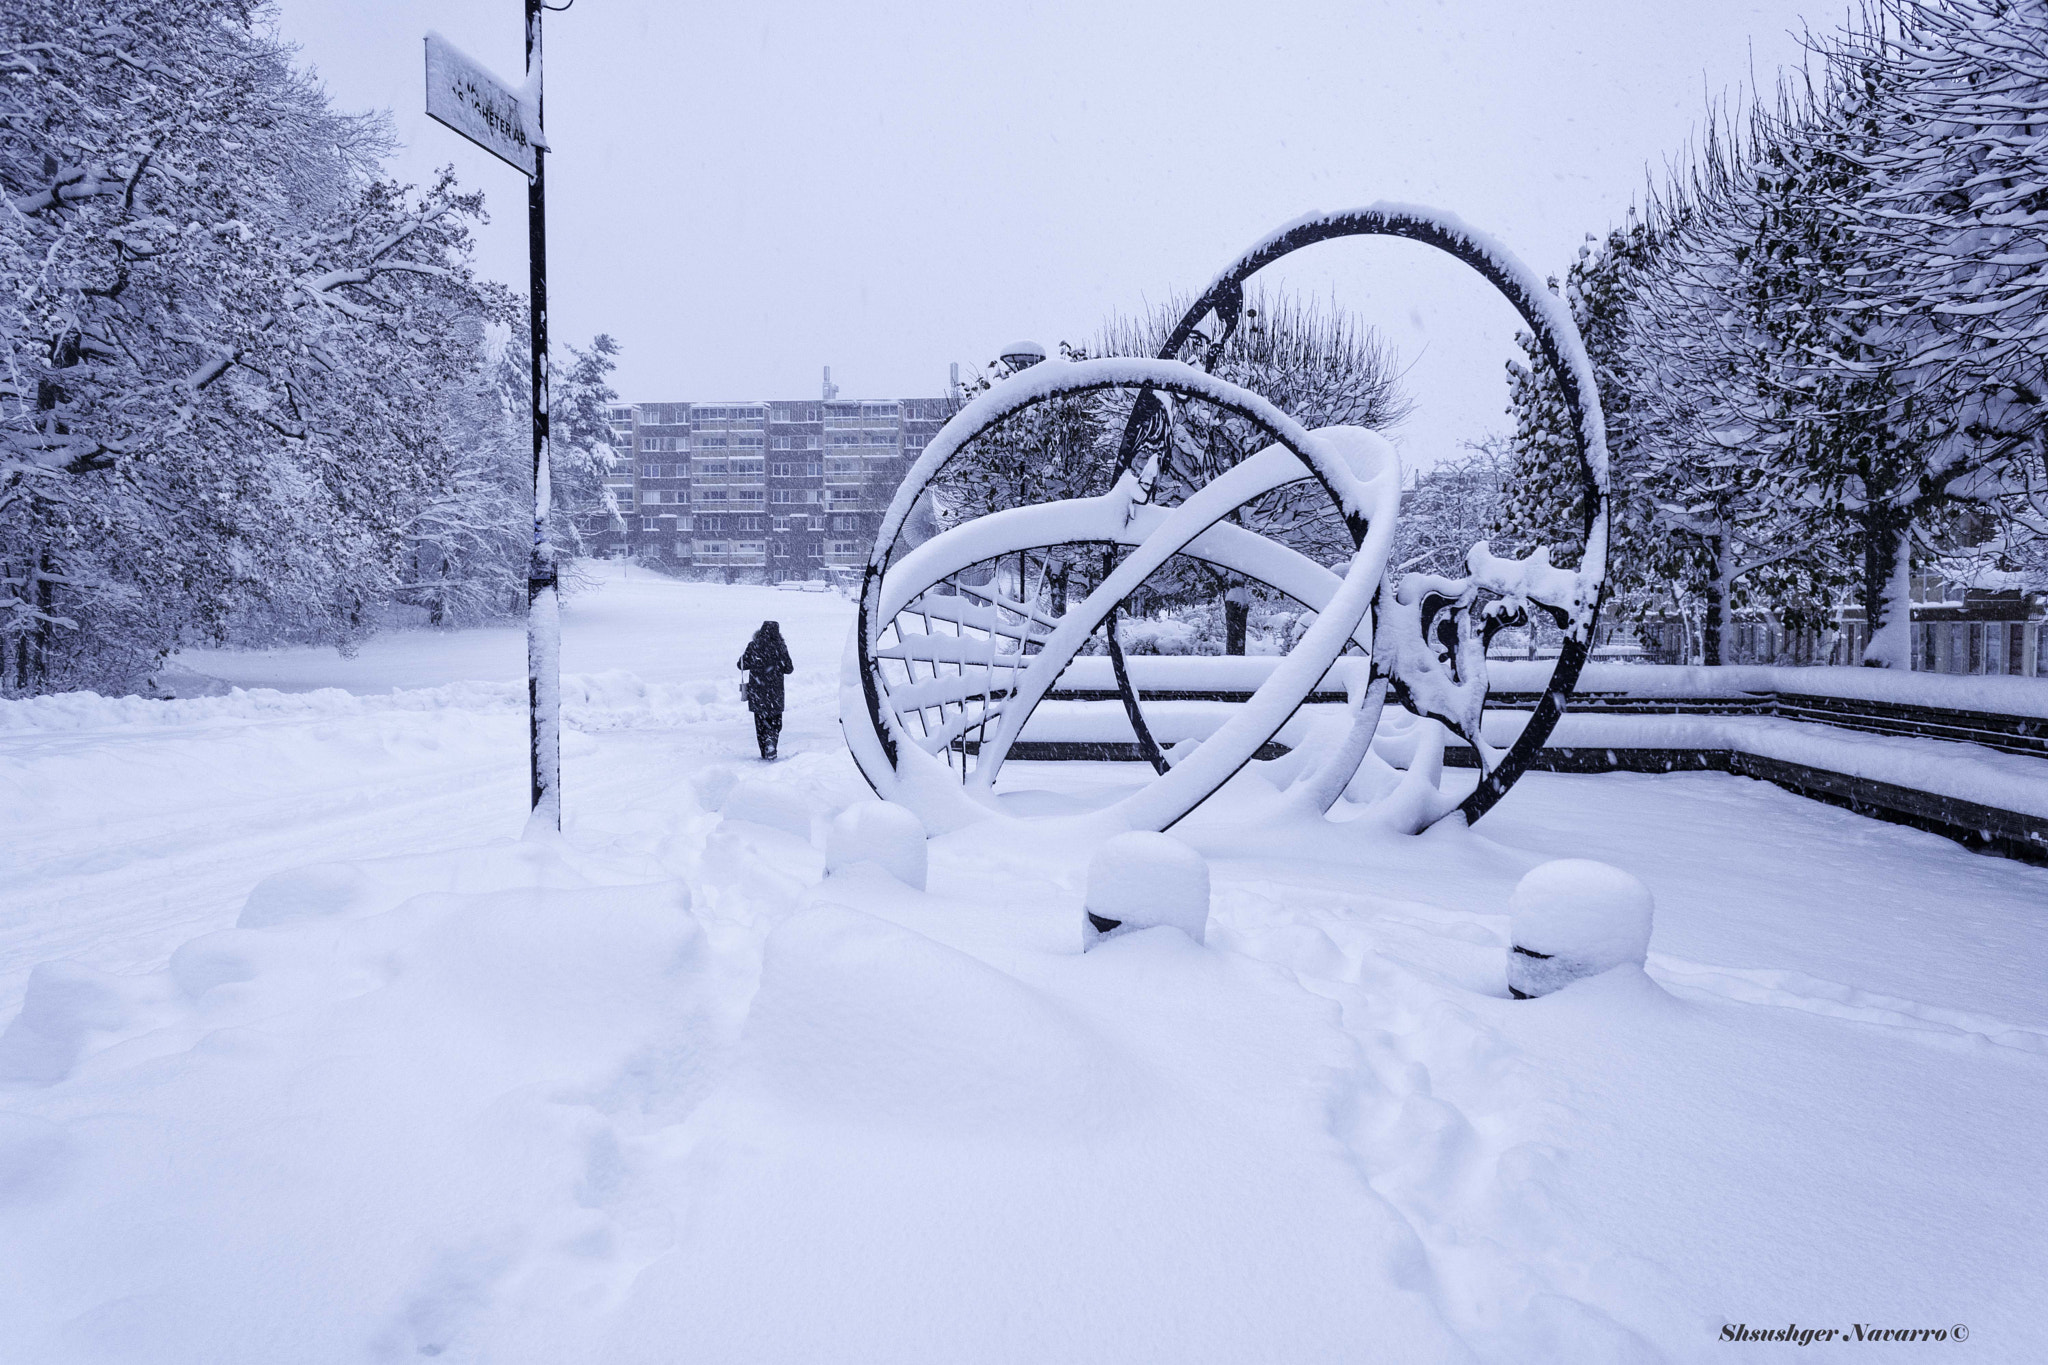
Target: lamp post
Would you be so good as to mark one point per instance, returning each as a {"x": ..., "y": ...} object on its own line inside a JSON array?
[
  {"x": 1022, "y": 355},
  {"x": 543, "y": 596},
  {"x": 506, "y": 122}
]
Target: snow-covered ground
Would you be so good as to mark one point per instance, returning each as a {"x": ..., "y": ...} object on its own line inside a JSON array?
[{"x": 664, "y": 1090}]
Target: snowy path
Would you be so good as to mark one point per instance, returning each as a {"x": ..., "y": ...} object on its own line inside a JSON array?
[
  {"x": 667, "y": 1083},
  {"x": 127, "y": 841}
]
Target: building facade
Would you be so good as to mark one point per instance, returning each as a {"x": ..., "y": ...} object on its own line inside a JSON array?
[{"x": 765, "y": 489}]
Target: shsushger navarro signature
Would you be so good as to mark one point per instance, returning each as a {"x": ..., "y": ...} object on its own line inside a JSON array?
[{"x": 1857, "y": 1331}]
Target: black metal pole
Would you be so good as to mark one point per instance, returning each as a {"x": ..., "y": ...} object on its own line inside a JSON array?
[{"x": 543, "y": 604}]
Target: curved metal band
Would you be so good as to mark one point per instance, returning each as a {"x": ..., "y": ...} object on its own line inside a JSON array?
[
  {"x": 1551, "y": 324},
  {"x": 1339, "y": 482}
]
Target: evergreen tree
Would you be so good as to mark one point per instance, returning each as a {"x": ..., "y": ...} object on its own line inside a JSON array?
[
  {"x": 1957, "y": 215},
  {"x": 1698, "y": 473}
]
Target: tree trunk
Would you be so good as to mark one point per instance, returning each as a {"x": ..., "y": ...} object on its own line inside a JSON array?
[
  {"x": 1059, "y": 588},
  {"x": 13, "y": 648},
  {"x": 1714, "y": 619},
  {"x": 46, "y": 601},
  {"x": 1885, "y": 589},
  {"x": 1237, "y": 611}
]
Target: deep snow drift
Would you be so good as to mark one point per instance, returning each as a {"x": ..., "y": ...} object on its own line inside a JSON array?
[{"x": 322, "y": 1066}]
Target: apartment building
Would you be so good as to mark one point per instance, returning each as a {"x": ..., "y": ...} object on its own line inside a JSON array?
[{"x": 768, "y": 489}]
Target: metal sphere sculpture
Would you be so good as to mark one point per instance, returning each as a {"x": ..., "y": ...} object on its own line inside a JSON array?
[{"x": 938, "y": 654}]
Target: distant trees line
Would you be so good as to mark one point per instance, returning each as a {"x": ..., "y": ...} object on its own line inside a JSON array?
[{"x": 1822, "y": 344}]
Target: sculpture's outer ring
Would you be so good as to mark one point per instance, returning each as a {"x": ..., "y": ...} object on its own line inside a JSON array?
[{"x": 1557, "y": 337}]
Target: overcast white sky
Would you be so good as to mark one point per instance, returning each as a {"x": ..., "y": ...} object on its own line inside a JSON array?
[{"x": 742, "y": 193}]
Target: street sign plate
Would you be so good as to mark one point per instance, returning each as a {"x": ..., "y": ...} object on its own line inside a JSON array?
[{"x": 466, "y": 97}]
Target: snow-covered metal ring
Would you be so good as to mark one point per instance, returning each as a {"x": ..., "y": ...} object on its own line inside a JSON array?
[
  {"x": 1445, "y": 679},
  {"x": 988, "y": 659}
]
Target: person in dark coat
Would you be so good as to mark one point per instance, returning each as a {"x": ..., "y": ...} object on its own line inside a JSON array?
[{"x": 766, "y": 662}]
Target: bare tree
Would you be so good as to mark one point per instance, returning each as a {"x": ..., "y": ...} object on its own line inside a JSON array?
[{"x": 1313, "y": 361}]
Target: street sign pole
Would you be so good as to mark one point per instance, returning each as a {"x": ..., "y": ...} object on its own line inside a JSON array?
[
  {"x": 543, "y": 598},
  {"x": 507, "y": 124}
]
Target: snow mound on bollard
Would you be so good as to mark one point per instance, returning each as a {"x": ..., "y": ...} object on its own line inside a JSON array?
[
  {"x": 879, "y": 832},
  {"x": 1140, "y": 881},
  {"x": 1574, "y": 918}
]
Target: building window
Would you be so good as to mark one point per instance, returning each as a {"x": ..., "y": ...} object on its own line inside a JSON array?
[
  {"x": 749, "y": 466},
  {"x": 648, "y": 524},
  {"x": 778, "y": 523},
  {"x": 815, "y": 469},
  {"x": 746, "y": 438},
  {"x": 711, "y": 523},
  {"x": 650, "y": 471},
  {"x": 750, "y": 547},
  {"x": 845, "y": 524},
  {"x": 746, "y": 494},
  {"x": 713, "y": 442},
  {"x": 710, "y": 547},
  {"x": 782, "y": 443},
  {"x": 842, "y": 547},
  {"x": 746, "y": 523}
]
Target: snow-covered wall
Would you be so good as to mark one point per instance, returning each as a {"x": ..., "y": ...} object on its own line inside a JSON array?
[{"x": 1993, "y": 696}]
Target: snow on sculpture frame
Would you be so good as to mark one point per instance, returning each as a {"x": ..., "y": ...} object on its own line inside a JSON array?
[
  {"x": 1419, "y": 631},
  {"x": 1572, "y": 598}
]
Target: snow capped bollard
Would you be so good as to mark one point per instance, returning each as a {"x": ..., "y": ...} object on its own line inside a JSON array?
[
  {"x": 1137, "y": 881},
  {"x": 879, "y": 832},
  {"x": 1574, "y": 918}
]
